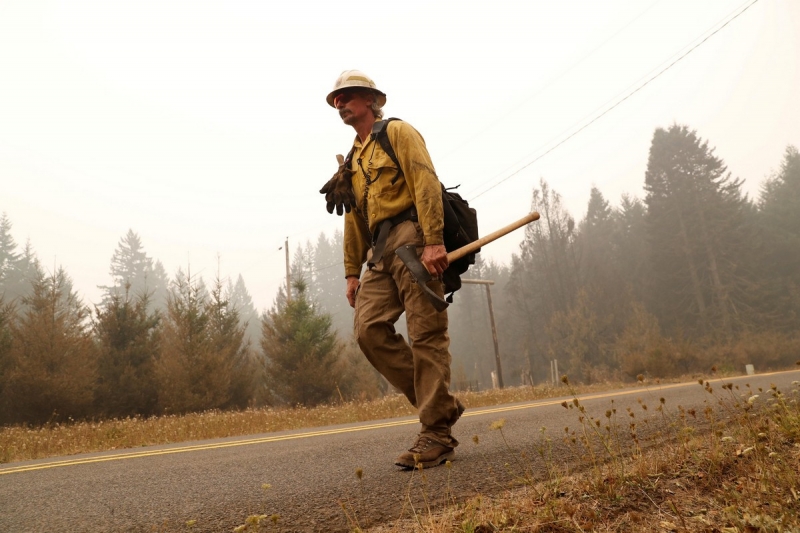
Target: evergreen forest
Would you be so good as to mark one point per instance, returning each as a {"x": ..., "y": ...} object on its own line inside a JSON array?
[{"x": 694, "y": 276}]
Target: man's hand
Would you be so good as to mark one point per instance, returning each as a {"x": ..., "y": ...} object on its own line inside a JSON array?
[
  {"x": 339, "y": 191},
  {"x": 352, "y": 287},
  {"x": 434, "y": 257}
]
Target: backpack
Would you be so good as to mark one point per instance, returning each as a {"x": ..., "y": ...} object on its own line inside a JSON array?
[{"x": 460, "y": 220}]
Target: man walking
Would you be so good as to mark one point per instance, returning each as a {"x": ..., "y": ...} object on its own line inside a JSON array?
[{"x": 393, "y": 207}]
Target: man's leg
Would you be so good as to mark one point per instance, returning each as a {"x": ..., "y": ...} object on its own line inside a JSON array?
[
  {"x": 430, "y": 346},
  {"x": 422, "y": 371},
  {"x": 377, "y": 309}
]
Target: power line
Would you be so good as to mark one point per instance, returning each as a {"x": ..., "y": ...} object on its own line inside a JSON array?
[
  {"x": 550, "y": 83},
  {"x": 338, "y": 263},
  {"x": 619, "y": 102}
]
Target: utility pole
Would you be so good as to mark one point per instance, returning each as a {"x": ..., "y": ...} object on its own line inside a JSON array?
[
  {"x": 486, "y": 283},
  {"x": 288, "y": 279}
]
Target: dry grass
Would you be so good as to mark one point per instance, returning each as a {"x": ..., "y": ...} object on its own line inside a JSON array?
[
  {"x": 20, "y": 443},
  {"x": 741, "y": 473}
]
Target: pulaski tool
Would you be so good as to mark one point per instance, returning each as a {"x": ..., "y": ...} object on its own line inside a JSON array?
[{"x": 408, "y": 254}]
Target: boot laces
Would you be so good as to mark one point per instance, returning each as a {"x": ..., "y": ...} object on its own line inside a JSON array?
[{"x": 421, "y": 444}]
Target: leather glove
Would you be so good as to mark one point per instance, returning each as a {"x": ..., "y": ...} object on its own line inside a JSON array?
[{"x": 339, "y": 191}]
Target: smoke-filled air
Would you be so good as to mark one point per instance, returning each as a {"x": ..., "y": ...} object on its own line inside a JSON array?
[
  {"x": 694, "y": 275},
  {"x": 164, "y": 248}
]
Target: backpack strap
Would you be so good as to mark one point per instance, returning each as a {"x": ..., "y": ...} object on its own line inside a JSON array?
[
  {"x": 460, "y": 220},
  {"x": 349, "y": 158},
  {"x": 379, "y": 133}
]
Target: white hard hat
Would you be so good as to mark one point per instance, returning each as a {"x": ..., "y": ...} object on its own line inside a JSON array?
[{"x": 355, "y": 78}]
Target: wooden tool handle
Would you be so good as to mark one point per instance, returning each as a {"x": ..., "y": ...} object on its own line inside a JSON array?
[{"x": 471, "y": 247}]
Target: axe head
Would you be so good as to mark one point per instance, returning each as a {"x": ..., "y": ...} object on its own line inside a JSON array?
[{"x": 408, "y": 254}]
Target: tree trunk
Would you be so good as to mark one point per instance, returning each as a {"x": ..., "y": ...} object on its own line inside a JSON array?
[
  {"x": 696, "y": 286},
  {"x": 720, "y": 292}
]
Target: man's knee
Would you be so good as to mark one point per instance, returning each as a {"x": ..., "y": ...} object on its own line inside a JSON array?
[
  {"x": 372, "y": 334},
  {"x": 361, "y": 332},
  {"x": 429, "y": 336}
]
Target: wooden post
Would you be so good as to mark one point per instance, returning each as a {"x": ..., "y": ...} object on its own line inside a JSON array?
[
  {"x": 288, "y": 279},
  {"x": 494, "y": 338},
  {"x": 486, "y": 283}
]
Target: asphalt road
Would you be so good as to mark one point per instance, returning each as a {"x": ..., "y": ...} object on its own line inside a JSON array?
[{"x": 217, "y": 484}]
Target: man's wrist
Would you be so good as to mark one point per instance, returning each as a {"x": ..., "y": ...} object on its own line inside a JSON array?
[{"x": 433, "y": 239}]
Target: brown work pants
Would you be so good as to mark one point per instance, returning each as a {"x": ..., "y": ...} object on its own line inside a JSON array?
[{"x": 421, "y": 371}]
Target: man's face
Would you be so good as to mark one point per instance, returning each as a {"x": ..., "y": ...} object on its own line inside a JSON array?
[{"x": 353, "y": 105}]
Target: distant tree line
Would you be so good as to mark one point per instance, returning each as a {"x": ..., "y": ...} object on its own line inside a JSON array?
[
  {"x": 155, "y": 345},
  {"x": 694, "y": 275}
]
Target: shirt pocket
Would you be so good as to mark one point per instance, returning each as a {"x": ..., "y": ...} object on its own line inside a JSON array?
[
  {"x": 382, "y": 168},
  {"x": 384, "y": 195}
]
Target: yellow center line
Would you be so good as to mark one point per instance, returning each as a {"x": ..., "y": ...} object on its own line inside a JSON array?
[
  {"x": 309, "y": 434},
  {"x": 199, "y": 447}
]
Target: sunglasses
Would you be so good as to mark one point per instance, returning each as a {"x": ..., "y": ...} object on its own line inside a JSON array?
[{"x": 344, "y": 97}]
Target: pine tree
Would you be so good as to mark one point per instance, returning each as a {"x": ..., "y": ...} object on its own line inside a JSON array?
[
  {"x": 131, "y": 269},
  {"x": 7, "y": 315},
  {"x": 8, "y": 254},
  {"x": 159, "y": 281},
  {"x": 600, "y": 279},
  {"x": 543, "y": 281},
  {"x": 779, "y": 257},
  {"x": 52, "y": 365},
  {"x": 193, "y": 375},
  {"x": 17, "y": 271},
  {"x": 127, "y": 337},
  {"x": 630, "y": 247},
  {"x": 240, "y": 300},
  {"x": 598, "y": 215},
  {"x": 695, "y": 215},
  {"x": 301, "y": 352},
  {"x": 595, "y": 244},
  {"x": 327, "y": 288},
  {"x": 780, "y": 195},
  {"x": 579, "y": 331},
  {"x": 231, "y": 347}
]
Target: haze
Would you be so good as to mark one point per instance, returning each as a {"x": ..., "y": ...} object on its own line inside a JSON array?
[{"x": 203, "y": 126}]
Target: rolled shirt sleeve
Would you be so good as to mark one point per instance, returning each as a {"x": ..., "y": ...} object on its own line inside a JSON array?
[{"x": 420, "y": 177}]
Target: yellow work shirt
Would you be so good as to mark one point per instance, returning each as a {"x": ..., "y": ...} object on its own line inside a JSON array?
[{"x": 417, "y": 185}]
